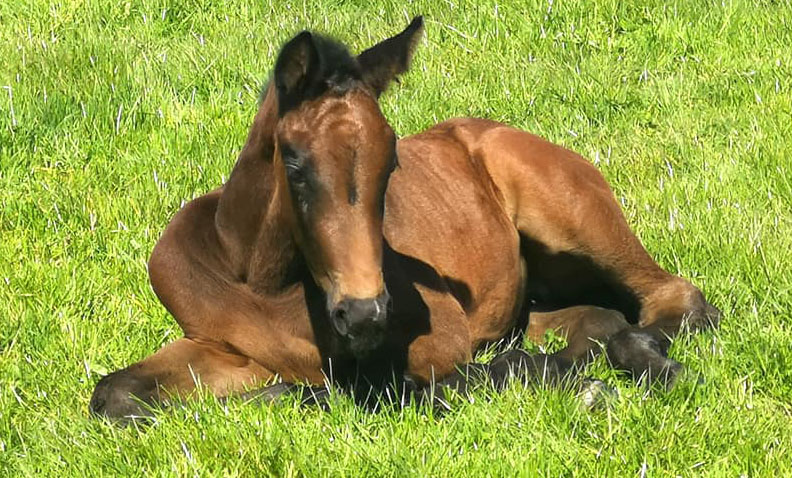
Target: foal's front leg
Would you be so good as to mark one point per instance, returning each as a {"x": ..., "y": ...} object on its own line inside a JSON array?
[{"x": 172, "y": 372}]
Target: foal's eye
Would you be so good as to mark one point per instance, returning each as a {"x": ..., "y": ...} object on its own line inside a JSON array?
[{"x": 296, "y": 175}]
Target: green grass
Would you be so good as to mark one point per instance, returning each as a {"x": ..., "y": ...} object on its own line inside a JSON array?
[{"x": 112, "y": 113}]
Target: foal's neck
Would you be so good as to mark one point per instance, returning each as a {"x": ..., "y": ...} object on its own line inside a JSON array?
[{"x": 251, "y": 218}]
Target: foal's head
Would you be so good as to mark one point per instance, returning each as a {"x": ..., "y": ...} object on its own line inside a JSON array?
[{"x": 335, "y": 152}]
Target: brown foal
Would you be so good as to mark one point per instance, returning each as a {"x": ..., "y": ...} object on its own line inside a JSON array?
[{"x": 335, "y": 250}]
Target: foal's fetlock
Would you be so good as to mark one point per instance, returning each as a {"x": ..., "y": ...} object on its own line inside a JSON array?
[{"x": 529, "y": 368}]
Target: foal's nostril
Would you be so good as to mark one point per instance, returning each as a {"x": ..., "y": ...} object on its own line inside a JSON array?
[
  {"x": 340, "y": 320},
  {"x": 355, "y": 316}
]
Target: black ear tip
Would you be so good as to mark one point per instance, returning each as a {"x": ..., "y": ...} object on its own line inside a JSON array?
[
  {"x": 304, "y": 35},
  {"x": 302, "y": 38},
  {"x": 416, "y": 23}
]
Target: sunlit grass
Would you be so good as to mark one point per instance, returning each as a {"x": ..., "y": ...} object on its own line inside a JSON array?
[{"x": 112, "y": 114}]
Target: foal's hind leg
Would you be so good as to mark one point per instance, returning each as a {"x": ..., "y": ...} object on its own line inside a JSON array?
[
  {"x": 539, "y": 369},
  {"x": 577, "y": 240},
  {"x": 171, "y": 372},
  {"x": 584, "y": 327},
  {"x": 643, "y": 352}
]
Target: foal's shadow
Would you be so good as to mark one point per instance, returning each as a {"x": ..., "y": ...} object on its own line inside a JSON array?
[
  {"x": 381, "y": 374},
  {"x": 378, "y": 381}
]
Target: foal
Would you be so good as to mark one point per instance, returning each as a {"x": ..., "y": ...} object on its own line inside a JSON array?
[{"x": 335, "y": 250}]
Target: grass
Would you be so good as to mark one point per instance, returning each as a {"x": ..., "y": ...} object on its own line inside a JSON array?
[{"x": 112, "y": 114}]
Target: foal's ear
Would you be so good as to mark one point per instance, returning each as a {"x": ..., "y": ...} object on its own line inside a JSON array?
[
  {"x": 295, "y": 69},
  {"x": 381, "y": 63}
]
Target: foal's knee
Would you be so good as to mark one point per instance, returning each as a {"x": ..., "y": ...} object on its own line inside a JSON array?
[{"x": 121, "y": 396}]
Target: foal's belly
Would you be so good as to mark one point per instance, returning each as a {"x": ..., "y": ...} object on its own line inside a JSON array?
[{"x": 443, "y": 210}]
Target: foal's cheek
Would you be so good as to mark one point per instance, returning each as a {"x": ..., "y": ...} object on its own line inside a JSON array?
[
  {"x": 321, "y": 277},
  {"x": 314, "y": 262}
]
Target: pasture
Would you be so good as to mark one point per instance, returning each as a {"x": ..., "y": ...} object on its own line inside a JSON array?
[{"x": 113, "y": 114}]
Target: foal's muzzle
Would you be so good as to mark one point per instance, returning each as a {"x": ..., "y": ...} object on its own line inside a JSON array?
[{"x": 361, "y": 322}]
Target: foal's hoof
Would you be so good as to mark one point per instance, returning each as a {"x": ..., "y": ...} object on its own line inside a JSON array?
[
  {"x": 269, "y": 394},
  {"x": 316, "y": 397},
  {"x": 120, "y": 398},
  {"x": 435, "y": 396},
  {"x": 708, "y": 317},
  {"x": 595, "y": 394}
]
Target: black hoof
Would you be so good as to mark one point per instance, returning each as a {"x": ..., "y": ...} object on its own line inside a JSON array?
[
  {"x": 308, "y": 395},
  {"x": 268, "y": 394},
  {"x": 121, "y": 397},
  {"x": 316, "y": 397},
  {"x": 435, "y": 396},
  {"x": 669, "y": 375}
]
